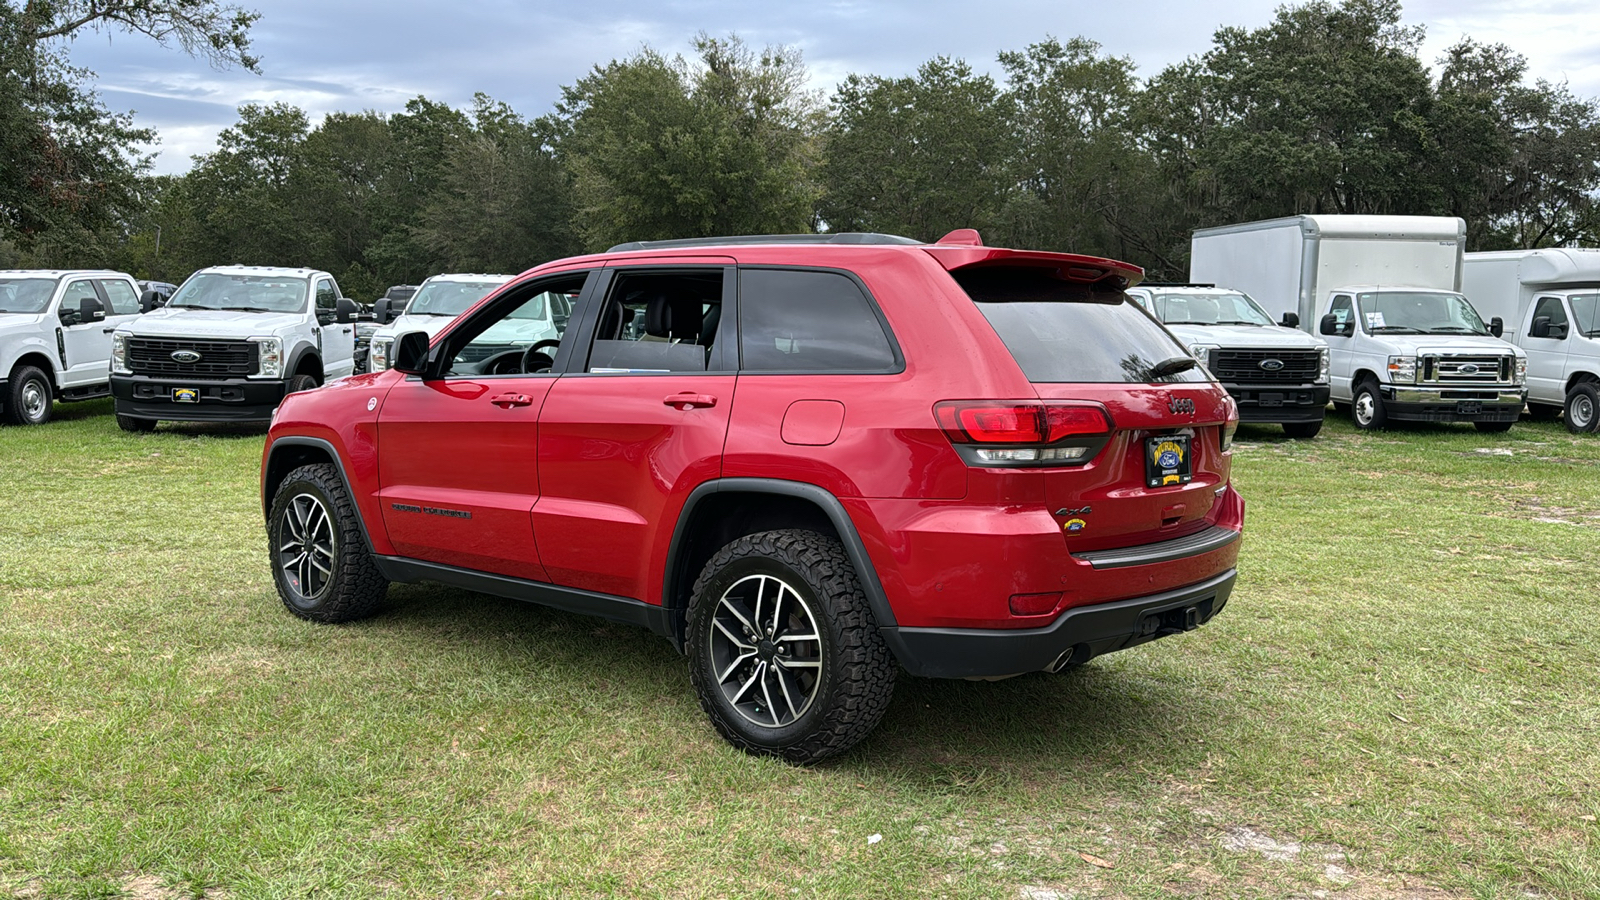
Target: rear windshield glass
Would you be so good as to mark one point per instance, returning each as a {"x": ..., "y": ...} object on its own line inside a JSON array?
[{"x": 1060, "y": 331}]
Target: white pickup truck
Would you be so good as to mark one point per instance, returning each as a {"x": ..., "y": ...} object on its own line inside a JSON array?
[
  {"x": 1550, "y": 300},
  {"x": 228, "y": 346},
  {"x": 1385, "y": 292},
  {"x": 434, "y": 305},
  {"x": 55, "y": 337}
]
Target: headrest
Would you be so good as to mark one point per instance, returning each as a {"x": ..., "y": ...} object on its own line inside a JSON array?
[{"x": 673, "y": 315}]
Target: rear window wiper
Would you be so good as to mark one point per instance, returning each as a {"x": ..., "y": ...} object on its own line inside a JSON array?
[{"x": 1173, "y": 366}]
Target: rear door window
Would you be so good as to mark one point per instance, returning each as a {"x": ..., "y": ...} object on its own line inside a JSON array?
[
  {"x": 1065, "y": 332},
  {"x": 808, "y": 320},
  {"x": 121, "y": 295}
]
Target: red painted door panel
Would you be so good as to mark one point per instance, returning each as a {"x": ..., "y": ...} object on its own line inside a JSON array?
[
  {"x": 618, "y": 456},
  {"x": 459, "y": 469}
]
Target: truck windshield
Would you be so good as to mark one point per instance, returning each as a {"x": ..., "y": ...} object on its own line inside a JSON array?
[
  {"x": 247, "y": 293},
  {"x": 1586, "y": 313},
  {"x": 1064, "y": 332},
  {"x": 1419, "y": 312},
  {"x": 25, "y": 295},
  {"x": 449, "y": 298},
  {"x": 1209, "y": 309}
]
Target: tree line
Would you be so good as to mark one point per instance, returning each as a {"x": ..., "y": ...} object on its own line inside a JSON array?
[{"x": 1329, "y": 108}]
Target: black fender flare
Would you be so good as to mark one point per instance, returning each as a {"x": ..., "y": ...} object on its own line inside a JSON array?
[
  {"x": 300, "y": 353},
  {"x": 338, "y": 464},
  {"x": 866, "y": 573}
]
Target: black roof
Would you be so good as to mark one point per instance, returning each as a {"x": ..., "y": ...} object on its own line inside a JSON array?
[{"x": 843, "y": 237}]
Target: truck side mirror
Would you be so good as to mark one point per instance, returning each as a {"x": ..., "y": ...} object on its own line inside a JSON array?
[
  {"x": 1291, "y": 320},
  {"x": 1539, "y": 329},
  {"x": 345, "y": 310},
  {"x": 381, "y": 312},
  {"x": 151, "y": 300},
  {"x": 90, "y": 310},
  {"x": 1497, "y": 326},
  {"x": 1330, "y": 324},
  {"x": 410, "y": 353}
]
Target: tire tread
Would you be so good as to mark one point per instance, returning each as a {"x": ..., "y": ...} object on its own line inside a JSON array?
[{"x": 359, "y": 587}]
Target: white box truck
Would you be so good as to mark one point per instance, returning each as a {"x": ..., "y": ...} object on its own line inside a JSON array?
[
  {"x": 1385, "y": 291},
  {"x": 1550, "y": 301}
]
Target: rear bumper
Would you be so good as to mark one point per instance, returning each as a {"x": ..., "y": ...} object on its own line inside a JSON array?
[
  {"x": 1280, "y": 403},
  {"x": 1463, "y": 404},
  {"x": 221, "y": 400},
  {"x": 1078, "y": 635}
]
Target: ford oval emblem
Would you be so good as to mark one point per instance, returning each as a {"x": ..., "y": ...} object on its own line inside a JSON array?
[
  {"x": 185, "y": 356},
  {"x": 1468, "y": 369},
  {"x": 1271, "y": 365}
]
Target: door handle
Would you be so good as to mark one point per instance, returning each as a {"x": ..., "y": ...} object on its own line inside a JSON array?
[
  {"x": 506, "y": 401},
  {"x": 687, "y": 401}
]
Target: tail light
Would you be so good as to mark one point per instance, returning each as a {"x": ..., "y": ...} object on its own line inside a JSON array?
[{"x": 1024, "y": 432}]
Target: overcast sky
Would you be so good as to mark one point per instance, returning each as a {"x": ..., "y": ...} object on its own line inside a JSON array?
[{"x": 325, "y": 56}]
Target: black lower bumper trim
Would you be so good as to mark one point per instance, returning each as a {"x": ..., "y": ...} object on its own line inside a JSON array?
[
  {"x": 1450, "y": 412},
  {"x": 1214, "y": 538},
  {"x": 1081, "y": 633},
  {"x": 1280, "y": 403},
  {"x": 221, "y": 400}
]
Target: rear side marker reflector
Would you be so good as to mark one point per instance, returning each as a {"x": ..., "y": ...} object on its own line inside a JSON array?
[{"x": 1034, "y": 604}]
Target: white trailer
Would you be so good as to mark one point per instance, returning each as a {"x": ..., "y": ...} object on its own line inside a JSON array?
[
  {"x": 1385, "y": 291},
  {"x": 1550, "y": 301}
]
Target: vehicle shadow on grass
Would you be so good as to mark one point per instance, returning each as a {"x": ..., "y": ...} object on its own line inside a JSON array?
[{"x": 938, "y": 733}]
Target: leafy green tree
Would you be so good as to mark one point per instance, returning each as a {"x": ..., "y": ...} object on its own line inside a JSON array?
[
  {"x": 918, "y": 156},
  {"x": 662, "y": 148}
]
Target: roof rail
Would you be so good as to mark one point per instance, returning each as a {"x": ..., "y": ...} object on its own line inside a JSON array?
[{"x": 843, "y": 237}]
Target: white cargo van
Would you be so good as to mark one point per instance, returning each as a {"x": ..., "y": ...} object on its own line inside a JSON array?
[
  {"x": 1550, "y": 300},
  {"x": 1385, "y": 291}
]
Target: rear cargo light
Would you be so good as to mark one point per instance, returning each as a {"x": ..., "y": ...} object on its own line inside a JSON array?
[{"x": 1024, "y": 432}]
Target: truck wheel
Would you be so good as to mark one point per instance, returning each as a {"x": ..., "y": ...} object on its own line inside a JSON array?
[
  {"x": 1367, "y": 407},
  {"x": 302, "y": 383},
  {"x": 1302, "y": 430},
  {"x": 784, "y": 652},
  {"x": 1583, "y": 408},
  {"x": 320, "y": 561},
  {"x": 28, "y": 397},
  {"x": 136, "y": 426},
  {"x": 1493, "y": 427}
]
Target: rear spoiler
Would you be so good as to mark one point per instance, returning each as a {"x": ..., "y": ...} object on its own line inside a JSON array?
[{"x": 1068, "y": 266}]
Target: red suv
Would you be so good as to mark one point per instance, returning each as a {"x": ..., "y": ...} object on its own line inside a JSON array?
[{"x": 807, "y": 461}]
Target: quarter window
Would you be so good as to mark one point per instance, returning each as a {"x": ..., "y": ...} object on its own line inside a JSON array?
[{"x": 808, "y": 321}]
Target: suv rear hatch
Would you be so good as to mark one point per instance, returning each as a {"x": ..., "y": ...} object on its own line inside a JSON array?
[{"x": 1110, "y": 380}]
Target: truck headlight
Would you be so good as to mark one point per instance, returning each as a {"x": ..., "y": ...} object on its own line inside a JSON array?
[
  {"x": 378, "y": 354},
  {"x": 1322, "y": 367},
  {"x": 1522, "y": 370},
  {"x": 270, "y": 363},
  {"x": 119, "y": 355},
  {"x": 1202, "y": 352},
  {"x": 1403, "y": 369}
]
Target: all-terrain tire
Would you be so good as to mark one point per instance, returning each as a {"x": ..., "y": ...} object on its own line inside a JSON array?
[
  {"x": 302, "y": 382},
  {"x": 312, "y": 513},
  {"x": 1582, "y": 410},
  {"x": 1366, "y": 407},
  {"x": 1302, "y": 430},
  {"x": 27, "y": 400},
  {"x": 135, "y": 425},
  {"x": 855, "y": 671}
]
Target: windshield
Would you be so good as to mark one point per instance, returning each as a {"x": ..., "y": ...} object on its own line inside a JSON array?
[
  {"x": 1419, "y": 312},
  {"x": 25, "y": 295},
  {"x": 1209, "y": 309},
  {"x": 1586, "y": 313},
  {"x": 449, "y": 298},
  {"x": 1062, "y": 332},
  {"x": 250, "y": 293}
]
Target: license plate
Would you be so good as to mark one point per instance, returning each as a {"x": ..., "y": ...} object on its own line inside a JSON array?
[
  {"x": 185, "y": 395},
  {"x": 1166, "y": 460},
  {"x": 1469, "y": 407},
  {"x": 1271, "y": 400}
]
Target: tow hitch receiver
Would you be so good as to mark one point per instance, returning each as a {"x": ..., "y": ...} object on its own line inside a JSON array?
[{"x": 1175, "y": 621}]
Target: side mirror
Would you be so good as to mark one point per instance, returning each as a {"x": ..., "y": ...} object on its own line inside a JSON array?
[
  {"x": 382, "y": 312},
  {"x": 1291, "y": 320},
  {"x": 345, "y": 310},
  {"x": 151, "y": 300},
  {"x": 1539, "y": 329},
  {"x": 90, "y": 310},
  {"x": 1330, "y": 324},
  {"x": 1497, "y": 326},
  {"x": 410, "y": 353}
]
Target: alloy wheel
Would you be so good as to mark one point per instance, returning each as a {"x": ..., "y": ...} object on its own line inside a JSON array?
[
  {"x": 306, "y": 546},
  {"x": 766, "y": 650}
]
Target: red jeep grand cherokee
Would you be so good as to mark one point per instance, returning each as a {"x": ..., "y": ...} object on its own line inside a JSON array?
[{"x": 806, "y": 461}]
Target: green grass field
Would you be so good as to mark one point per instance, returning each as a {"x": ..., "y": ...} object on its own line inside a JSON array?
[{"x": 1400, "y": 701}]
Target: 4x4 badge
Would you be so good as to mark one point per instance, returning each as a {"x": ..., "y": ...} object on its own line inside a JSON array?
[{"x": 1181, "y": 405}]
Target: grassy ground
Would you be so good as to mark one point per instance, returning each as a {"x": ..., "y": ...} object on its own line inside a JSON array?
[{"x": 1400, "y": 701}]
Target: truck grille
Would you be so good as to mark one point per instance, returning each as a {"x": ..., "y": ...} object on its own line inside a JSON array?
[
  {"x": 1244, "y": 366},
  {"x": 1467, "y": 369},
  {"x": 218, "y": 359}
]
